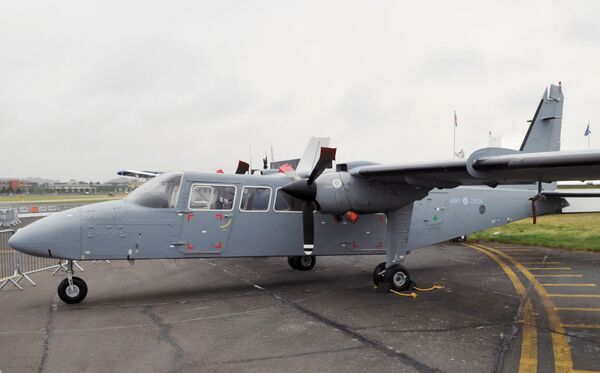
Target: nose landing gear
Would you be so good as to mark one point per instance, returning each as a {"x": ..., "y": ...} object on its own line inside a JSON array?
[{"x": 72, "y": 289}]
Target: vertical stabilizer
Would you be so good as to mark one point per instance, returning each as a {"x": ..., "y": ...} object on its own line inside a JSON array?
[
  {"x": 544, "y": 132},
  {"x": 311, "y": 154}
]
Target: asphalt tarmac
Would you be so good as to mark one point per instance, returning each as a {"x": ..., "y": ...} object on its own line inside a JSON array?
[{"x": 501, "y": 309}]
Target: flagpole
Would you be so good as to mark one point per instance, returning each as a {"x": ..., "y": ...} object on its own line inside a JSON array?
[{"x": 454, "y": 138}]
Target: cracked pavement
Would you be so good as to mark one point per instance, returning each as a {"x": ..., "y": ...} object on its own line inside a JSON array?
[{"x": 260, "y": 315}]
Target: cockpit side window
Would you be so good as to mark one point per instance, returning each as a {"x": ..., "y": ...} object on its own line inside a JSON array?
[
  {"x": 212, "y": 197},
  {"x": 159, "y": 192}
]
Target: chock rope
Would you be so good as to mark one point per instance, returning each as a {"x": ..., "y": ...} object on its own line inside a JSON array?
[
  {"x": 434, "y": 287},
  {"x": 413, "y": 294}
]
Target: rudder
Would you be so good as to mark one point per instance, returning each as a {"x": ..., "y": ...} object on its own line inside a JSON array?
[{"x": 543, "y": 134}]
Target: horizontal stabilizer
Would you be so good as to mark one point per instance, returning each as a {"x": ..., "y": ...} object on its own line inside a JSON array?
[
  {"x": 572, "y": 194},
  {"x": 142, "y": 174}
]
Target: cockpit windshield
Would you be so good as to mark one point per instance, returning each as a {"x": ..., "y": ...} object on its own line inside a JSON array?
[{"x": 159, "y": 192}]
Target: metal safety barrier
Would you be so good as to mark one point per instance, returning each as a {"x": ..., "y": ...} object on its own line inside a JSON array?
[{"x": 15, "y": 266}]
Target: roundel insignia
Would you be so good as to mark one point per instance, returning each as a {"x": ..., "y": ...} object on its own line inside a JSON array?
[{"x": 337, "y": 183}]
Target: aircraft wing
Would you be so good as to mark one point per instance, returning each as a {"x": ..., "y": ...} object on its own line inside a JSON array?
[
  {"x": 142, "y": 174},
  {"x": 490, "y": 166}
]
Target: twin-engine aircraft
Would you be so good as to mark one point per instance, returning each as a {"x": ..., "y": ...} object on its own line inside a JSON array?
[{"x": 358, "y": 208}]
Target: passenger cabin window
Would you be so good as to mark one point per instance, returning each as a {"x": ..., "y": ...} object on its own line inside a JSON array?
[
  {"x": 285, "y": 202},
  {"x": 212, "y": 197},
  {"x": 159, "y": 192},
  {"x": 255, "y": 199}
]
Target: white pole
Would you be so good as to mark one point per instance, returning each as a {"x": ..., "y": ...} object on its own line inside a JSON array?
[{"x": 454, "y": 137}]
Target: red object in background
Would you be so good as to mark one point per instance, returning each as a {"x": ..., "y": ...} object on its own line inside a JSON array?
[
  {"x": 34, "y": 209},
  {"x": 351, "y": 216},
  {"x": 14, "y": 184}
]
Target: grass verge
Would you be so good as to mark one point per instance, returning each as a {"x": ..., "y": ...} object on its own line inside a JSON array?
[{"x": 565, "y": 231}]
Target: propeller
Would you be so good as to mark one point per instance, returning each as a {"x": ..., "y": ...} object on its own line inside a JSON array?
[{"x": 305, "y": 189}]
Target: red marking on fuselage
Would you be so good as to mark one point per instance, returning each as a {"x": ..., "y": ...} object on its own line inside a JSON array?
[
  {"x": 381, "y": 219},
  {"x": 354, "y": 244},
  {"x": 220, "y": 217},
  {"x": 190, "y": 216},
  {"x": 190, "y": 246},
  {"x": 219, "y": 245},
  {"x": 379, "y": 244}
]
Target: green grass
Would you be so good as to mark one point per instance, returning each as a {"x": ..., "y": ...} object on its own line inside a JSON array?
[
  {"x": 57, "y": 197},
  {"x": 567, "y": 231}
]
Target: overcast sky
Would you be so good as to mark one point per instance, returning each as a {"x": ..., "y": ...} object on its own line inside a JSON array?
[{"x": 89, "y": 88}]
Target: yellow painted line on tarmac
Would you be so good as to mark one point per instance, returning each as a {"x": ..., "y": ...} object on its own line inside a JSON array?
[
  {"x": 549, "y": 268},
  {"x": 581, "y": 285},
  {"x": 577, "y": 309},
  {"x": 581, "y": 326},
  {"x": 574, "y": 295},
  {"x": 528, "y": 359},
  {"x": 558, "y": 275},
  {"x": 563, "y": 361}
]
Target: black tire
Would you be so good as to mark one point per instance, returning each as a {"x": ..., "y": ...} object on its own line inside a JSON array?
[
  {"x": 292, "y": 262},
  {"x": 75, "y": 295},
  {"x": 377, "y": 273},
  {"x": 305, "y": 262},
  {"x": 398, "y": 278}
]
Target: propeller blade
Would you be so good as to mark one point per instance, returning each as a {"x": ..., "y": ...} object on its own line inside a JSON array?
[
  {"x": 242, "y": 168},
  {"x": 327, "y": 156},
  {"x": 308, "y": 226},
  {"x": 287, "y": 169}
]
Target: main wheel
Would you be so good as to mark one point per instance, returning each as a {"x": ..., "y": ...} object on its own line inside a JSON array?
[
  {"x": 72, "y": 294},
  {"x": 397, "y": 276},
  {"x": 291, "y": 262},
  {"x": 305, "y": 262},
  {"x": 378, "y": 273}
]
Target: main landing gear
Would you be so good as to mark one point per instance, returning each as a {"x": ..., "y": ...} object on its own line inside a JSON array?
[
  {"x": 302, "y": 262},
  {"x": 395, "y": 277},
  {"x": 72, "y": 289}
]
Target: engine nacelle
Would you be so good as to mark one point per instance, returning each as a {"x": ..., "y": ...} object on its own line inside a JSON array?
[{"x": 339, "y": 192}]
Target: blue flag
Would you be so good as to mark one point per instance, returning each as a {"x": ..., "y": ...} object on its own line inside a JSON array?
[{"x": 587, "y": 131}]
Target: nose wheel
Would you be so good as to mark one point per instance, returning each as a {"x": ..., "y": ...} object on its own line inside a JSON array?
[
  {"x": 72, "y": 289},
  {"x": 72, "y": 293}
]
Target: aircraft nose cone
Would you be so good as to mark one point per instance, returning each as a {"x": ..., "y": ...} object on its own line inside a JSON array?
[
  {"x": 57, "y": 235},
  {"x": 302, "y": 190}
]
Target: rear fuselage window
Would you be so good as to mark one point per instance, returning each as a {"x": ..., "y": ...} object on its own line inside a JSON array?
[
  {"x": 255, "y": 199},
  {"x": 212, "y": 197},
  {"x": 284, "y": 202}
]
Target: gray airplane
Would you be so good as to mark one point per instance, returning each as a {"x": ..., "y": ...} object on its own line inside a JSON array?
[{"x": 358, "y": 208}]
